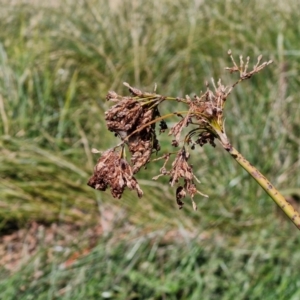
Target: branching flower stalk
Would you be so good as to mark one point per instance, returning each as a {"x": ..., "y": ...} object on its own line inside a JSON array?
[{"x": 133, "y": 119}]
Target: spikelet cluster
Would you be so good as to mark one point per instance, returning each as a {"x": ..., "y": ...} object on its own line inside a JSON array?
[{"x": 133, "y": 119}]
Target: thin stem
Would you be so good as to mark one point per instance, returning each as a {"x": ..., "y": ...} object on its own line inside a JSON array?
[
  {"x": 149, "y": 123},
  {"x": 267, "y": 186},
  {"x": 153, "y": 98}
]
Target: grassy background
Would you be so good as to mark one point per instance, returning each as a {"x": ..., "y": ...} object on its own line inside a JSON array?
[{"x": 57, "y": 63}]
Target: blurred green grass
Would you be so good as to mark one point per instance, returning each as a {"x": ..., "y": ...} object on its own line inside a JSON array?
[{"x": 57, "y": 64}]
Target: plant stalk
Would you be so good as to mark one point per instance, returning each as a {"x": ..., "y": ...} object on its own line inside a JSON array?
[{"x": 287, "y": 208}]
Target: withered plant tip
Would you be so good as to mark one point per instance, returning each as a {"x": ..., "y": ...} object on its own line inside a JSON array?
[{"x": 133, "y": 119}]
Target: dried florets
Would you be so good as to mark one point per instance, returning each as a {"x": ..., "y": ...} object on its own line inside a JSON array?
[
  {"x": 178, "y": 127},
  {"x": 181, "y": 169},
  {"x": 243, "y": 67},
  {"x": 122, "y": 117},
  {"x": 113, "y": 171},
  {"x": 140, "y": 147},
  {"x": 112, "y": 96},
  {"x": 131, "y": 120}
]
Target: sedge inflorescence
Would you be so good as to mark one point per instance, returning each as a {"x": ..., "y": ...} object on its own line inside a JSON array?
[{"x": 133, "y": 119}]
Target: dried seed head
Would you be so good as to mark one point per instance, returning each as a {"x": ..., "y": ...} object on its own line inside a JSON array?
[
  {"x": 181, "y": 168},
  {"x": 242, "y": 68},
  {"x": 112, "y": 96},
  {"x": 132, "y": 90},
  {"x": 177, "y": 129},
  {"x": 140, "y": 147},
  {"x": 142, "y": 143},
  {"x": 204, "y": 138},
  {"x": 123, "y": 115},
  {"x": 190, "y": 188},
  {"x": 133, "y": 120},
  {"x": 130, "y": 119},
  {"x": 112, "y": 170}
]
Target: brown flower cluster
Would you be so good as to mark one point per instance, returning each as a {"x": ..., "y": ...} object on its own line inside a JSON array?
[
  {"x": 114, "y": 171},
  {"x": 181, "y": 170},
  {"x": 132, "y": 118}
]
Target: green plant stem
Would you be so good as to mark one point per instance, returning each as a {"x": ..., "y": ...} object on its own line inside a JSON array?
[{"x": 267, "y": 186}]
